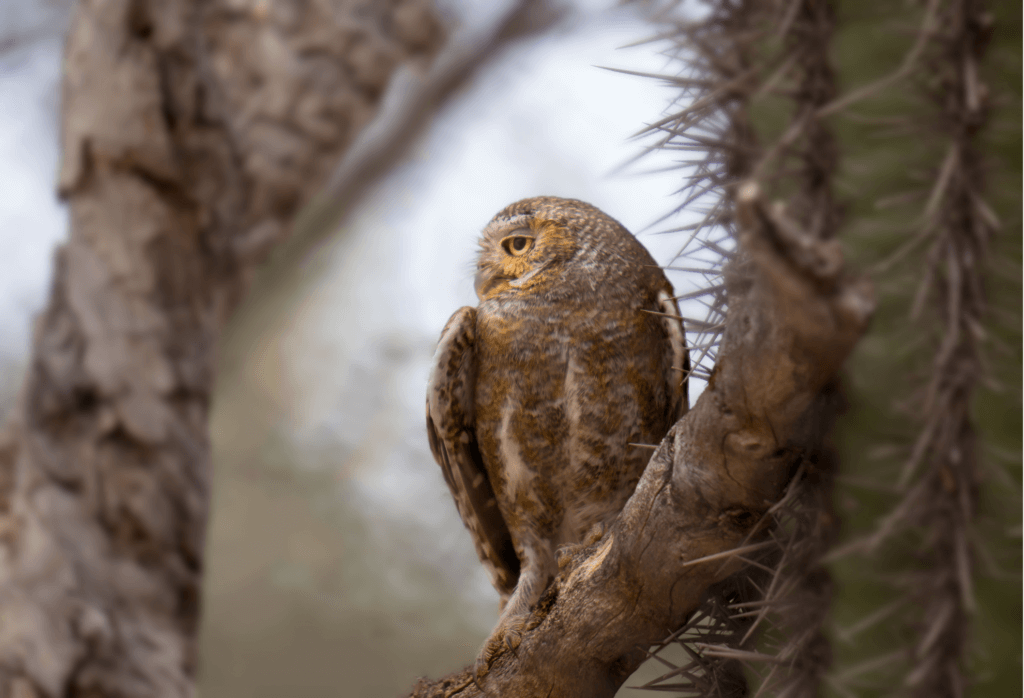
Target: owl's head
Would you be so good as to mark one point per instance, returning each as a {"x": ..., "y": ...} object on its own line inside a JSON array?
[
  {"x": 545, "y": 245},
  {"x": 518, "y": 252}
]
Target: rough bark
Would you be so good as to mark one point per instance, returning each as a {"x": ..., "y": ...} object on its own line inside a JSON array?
[
  {"x": 192, "y": 131},
  {"x": 793, "y": 317}
]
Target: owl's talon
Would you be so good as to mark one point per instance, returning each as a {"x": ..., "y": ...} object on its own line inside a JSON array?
[
  {"x": 505, "y": 638},
  {"x": 483, "y": 663},
  {"x": 512, "y": 639},
  {"x": 480, "y": 669}
]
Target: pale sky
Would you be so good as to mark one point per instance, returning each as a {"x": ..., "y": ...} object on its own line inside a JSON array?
[{"x": 31, "y": 219}]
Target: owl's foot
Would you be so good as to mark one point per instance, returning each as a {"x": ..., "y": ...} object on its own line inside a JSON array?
[{"x": 505, "y": 638}]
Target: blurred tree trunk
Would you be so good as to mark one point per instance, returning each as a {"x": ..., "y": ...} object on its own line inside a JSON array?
[{"x": 192, "y": 132}]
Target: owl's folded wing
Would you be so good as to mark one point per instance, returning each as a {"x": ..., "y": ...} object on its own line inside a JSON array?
[
  {"x": 450, "y": 428},
  {"x": 680, "y": 371}
]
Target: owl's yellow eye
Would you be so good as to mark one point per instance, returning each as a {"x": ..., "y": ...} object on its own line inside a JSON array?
[{"x": 517, "y": 245}]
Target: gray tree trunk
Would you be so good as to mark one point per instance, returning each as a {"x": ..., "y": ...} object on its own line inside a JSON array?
[{"x": 192, "y": 132}]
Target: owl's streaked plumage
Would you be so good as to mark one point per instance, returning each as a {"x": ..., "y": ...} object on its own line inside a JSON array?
[{"x": 575, "y": 351}]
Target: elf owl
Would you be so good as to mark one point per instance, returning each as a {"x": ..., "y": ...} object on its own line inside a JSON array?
[{"x": 539, "y": 395}]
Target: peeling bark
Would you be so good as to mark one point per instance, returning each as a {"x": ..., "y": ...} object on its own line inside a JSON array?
[
  {"x": 192, "y": 132},
  {"x": 793, "y": 318}
]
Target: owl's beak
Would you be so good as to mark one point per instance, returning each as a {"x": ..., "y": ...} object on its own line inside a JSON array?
[
  {"x": 485, "y": 280},
  {"x": 481, "y": 282}
]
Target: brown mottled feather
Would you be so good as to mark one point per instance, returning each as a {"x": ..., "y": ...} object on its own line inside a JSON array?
[{"x": 453, "y": 442}]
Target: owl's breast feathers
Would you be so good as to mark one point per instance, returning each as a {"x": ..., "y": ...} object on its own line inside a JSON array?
[{"x": 561, "y": 392}]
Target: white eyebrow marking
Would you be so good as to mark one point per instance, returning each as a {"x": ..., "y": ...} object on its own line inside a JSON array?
[{"x": 519, "y": 221}]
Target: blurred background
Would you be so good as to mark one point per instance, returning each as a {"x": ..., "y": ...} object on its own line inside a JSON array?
[
  {"x": 335, "y": 556},
  {"x": 336, "y": 562}
]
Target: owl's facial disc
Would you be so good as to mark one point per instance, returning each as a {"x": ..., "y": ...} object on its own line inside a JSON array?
[
  {"x": 514, "y": 254},
  {"x": 501, "y": 265}
]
